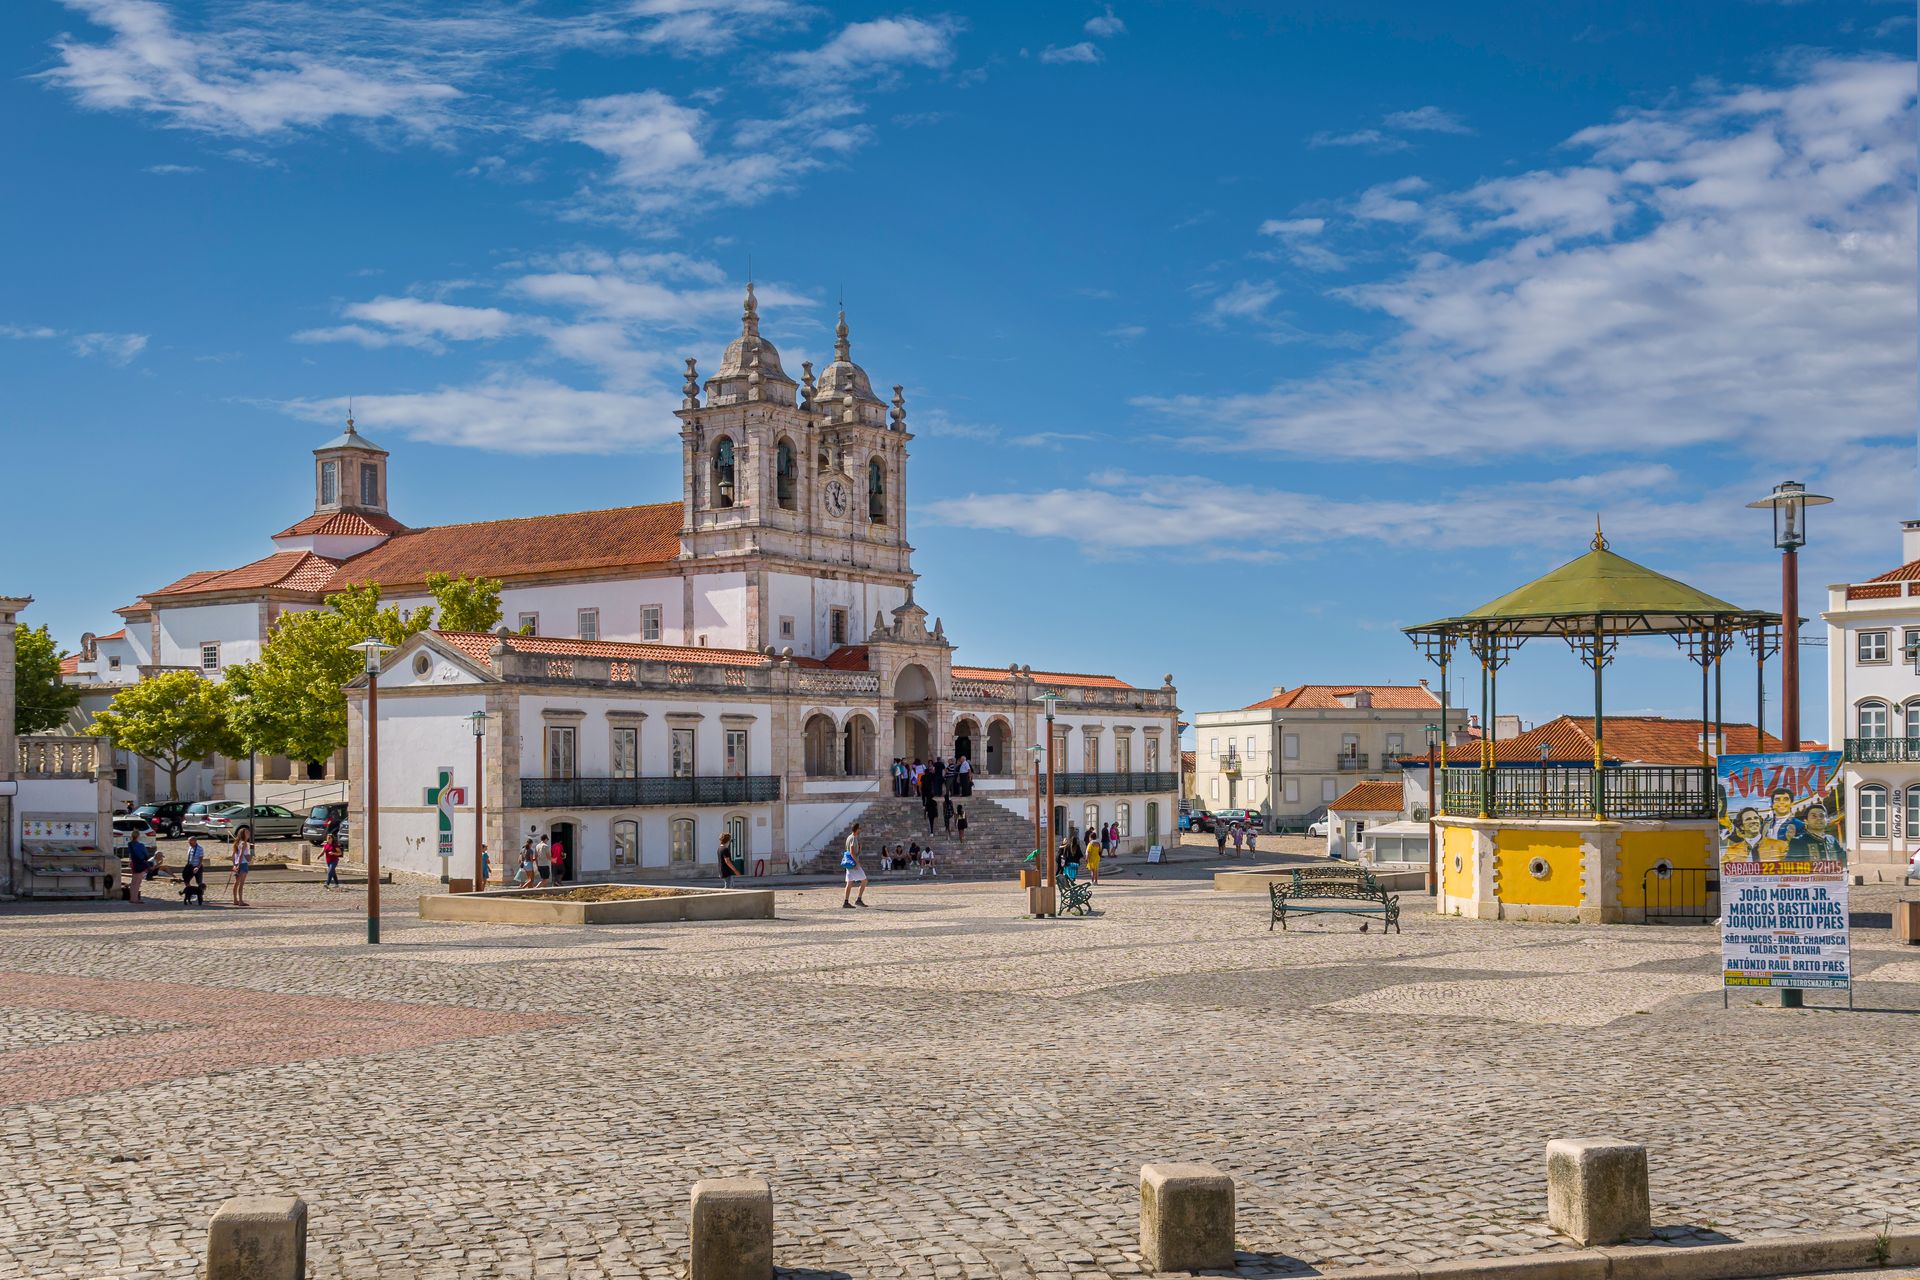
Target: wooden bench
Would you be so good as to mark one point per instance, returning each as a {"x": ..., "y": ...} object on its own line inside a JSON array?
[{"x": 1347, "y": 892}]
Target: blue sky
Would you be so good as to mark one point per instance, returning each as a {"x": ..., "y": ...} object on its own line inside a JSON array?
[{"x": 1236, "y": 336}]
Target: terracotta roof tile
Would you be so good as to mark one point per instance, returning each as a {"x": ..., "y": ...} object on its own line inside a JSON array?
[
  {"x": 290, "y": 570},
  {"x": 1044, "y": 677},
  {"x": 346, "y": 524},
  {"x": 619, "y": 538},
  {"x": 121, "y": 634},
  {"x": 848, "y": 657},
  {"x": 1326, "y": 697},
  {"x": 1189, "y": 761},
  {"x": 1908, "y": 572},
  {"x": 1653, "y": 740},
  {"x": 1374, "y": 797},
  {"x": 70, "y": 665}
]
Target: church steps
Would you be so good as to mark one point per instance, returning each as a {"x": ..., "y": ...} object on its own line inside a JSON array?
[{"x": 998, "y": 839}]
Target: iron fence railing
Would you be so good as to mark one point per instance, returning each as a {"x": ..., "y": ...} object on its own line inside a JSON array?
[
  {"x": 624, "y": 793},
  {"x": 1355, "y": 763},
  {"x": 1884, "y": 750},
  {"x": 1112, "y": 784},
  {"x": 1557, "y": 791}
]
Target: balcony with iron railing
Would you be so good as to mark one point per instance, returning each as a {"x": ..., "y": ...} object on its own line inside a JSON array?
[
  {"x": 1562, "y": 791},
  {"x": 1884, "y": 750},
  {"x": 1351, "y": 762},
  {"x": 1113, "y": 784},
  {"x": 638, "y": 793},
  {"x": 1227, "y": 761}
]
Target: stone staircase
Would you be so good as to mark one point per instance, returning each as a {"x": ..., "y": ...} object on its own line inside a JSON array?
[{"x": 998, "y": 839}]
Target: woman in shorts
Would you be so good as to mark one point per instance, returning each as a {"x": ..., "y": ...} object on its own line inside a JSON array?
[
  {"x": 850, "y": 863},
  {"x": 242, "y": 863}
]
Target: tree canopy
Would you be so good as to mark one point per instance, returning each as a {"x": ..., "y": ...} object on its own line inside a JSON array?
[
  {"x": 465, "y": 604},
  {"x": 172, "y": 719},
  {"x": 41, "y": 699}
]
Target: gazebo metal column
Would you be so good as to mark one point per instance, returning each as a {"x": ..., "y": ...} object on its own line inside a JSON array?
[
  {"x": 1494, "y": 649},
  {"x": 1763, "y": 641},
  {"x": 1706, "y": 646},
  {"x": 1595, "y": 648}
]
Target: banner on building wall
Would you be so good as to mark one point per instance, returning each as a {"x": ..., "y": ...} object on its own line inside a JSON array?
[
  {"x": 1783, "y": 872},
  {"x": 442, "y": 796}
]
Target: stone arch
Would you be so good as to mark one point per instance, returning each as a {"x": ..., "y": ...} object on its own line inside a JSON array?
[
  {"x": 876, "y": 490},
  {"x": 786, "y": 475},
  {"x": 857, "y": 738},
  {"x": 914, "y": 693},
  {"x": 994, "y": 762},
  {"x": 818, "y": 736},
  {"x": 723, "y": 472},
  {"x": 966, "y": 739}
]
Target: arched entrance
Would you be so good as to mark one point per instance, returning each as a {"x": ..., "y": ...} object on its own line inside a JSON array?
[
  {"x": 965, "y": 735},
  {"x": 821, "y": 758},
  {"x": 998, "y": 736},
  {"x": 913, "y": 713},
  {"x": 856, "y": 747}
]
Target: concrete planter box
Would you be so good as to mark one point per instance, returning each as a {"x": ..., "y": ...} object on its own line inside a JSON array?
[{"x": 544, "y": 906}]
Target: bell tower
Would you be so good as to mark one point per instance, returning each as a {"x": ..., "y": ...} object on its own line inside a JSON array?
[{"x": 350, "y": 474}]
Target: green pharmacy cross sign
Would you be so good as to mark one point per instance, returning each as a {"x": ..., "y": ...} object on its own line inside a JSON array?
[{"x": 442, "y": 797}]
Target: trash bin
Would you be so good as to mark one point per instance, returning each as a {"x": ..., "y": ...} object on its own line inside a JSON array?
[
  {"x": 1029, "y": 878},
  {"x": 1906, "y": 922}
]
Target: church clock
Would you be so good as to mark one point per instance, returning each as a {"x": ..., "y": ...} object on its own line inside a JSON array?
[{"x": 836, "y": 498}]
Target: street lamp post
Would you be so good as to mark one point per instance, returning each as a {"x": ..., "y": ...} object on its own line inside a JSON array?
[
  {"x": 1789, "y": 501},
  {"x": 1433, "y": 802},
  {"x": 1045, "y": 899},
  {"x": 371, "y": 650},
  {"x": 479, "y": 721},
  {"x": 1035, "y": 751}
]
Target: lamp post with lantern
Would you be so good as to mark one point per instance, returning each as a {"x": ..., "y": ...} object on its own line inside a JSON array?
[
  {"x": 479, "y": 722},
  {"x": 1789, "y": 501},
  {"x": 371, "y": 649},
  {"x": 1035, "y": 751},
  {"x": 1043, "y": 899},
  {"x": 1433, "y": 803}
]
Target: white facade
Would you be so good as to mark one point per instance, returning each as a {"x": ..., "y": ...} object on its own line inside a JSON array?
[{"x": 1873, "y": 708}]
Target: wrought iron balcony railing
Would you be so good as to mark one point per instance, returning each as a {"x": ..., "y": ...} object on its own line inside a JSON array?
[
  {"x": 1557, "y": 791},
  {"x": 1355, "y": 763},
  {"x": 1884, "y": 750},
  {"x": 1112, "y": 784},
  {"x": 637, "y": 793}
]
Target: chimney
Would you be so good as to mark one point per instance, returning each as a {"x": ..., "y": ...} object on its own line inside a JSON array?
[
  {"x": 1909, "y": 541},
  {"x": 1279, "y": 689}
]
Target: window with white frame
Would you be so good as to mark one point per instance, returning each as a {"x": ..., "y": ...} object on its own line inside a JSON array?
[
  {"x": 837, "y": 627},
  {"x": 210, "y": 655},
  {"x": 1153, "y": 755},
  {"x": 1123, "y": 818},
  {"x": 681, "y": 851},
  {"x": 680, "y": 758},
  {"x": 1913, "y": 719},
  {"x": 626, "y": 751},
  {"x": 1123, "y": 753},
  {"x": 1093, "y": 754},
  {"x": 1871, "y": 819},
  {"x": 1249, "y": 746},
  {"x": 626, "y": 845},
  {"x": 1329, "y": 789},
  {"x": 562, "y": 751},
  {"x": 1216, "y": 788},
  {"x": 1873, "y": 720},
  {"x": 1290, "y": 746},
  {"x": 1913, "y": 815},
  {"x": 587, "y": 625},
  {"x": 1293, "y": 790},
  {"x": 1090, "y": 818},
  {"x": 650, "y": 623},
  {"x": 529, "y": 624},
  {"x": 1396, "y": 744},
  {"x": 736, "y": 753},
  {"x": 1213, "y": 746},
  {"x": 1060, "y": 751},
  {"x": 1873, "y": 646}
]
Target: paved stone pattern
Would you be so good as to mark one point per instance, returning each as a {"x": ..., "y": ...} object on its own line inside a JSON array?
[{"x": 933, "y": 1086}]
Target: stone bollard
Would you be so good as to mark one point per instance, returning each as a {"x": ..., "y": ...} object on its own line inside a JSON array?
[
  {"x": 1186, "y": 1217},
  {"x": 732, "y": 1230},
  {"x": 1597, "y": 1190},
  {"x": 258, "y": 1238}
]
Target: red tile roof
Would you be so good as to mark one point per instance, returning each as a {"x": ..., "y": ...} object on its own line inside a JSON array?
[
  {"x": 618, "y": 538},
  {"x": 1044, "y": 677},
  {"x": 121, "y": 634},
  {"x": 1652, "y": 740},
  {"x": 479, "y": 644},
  {"x": 1370, "y": 797},
  {"x": 1189, "y": 761},
  {"x": 347, "y": 524},
  {"x": 1908, "y": 572},
  {"x": 286, "y": 570},
  {"x": 848, "y": 657},
  {"x": 70, "y": 665},
  {"x": 1326, "y": 697}
]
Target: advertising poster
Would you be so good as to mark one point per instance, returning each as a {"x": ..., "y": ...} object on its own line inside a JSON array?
[{"x": 1783, "y": 872}]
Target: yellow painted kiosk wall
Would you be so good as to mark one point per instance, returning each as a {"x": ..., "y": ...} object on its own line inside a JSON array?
[
  {"x": 1456, "y": 844},
  {"x": 1640, "y": 850},
  {"x": 1514, "y": 852}
]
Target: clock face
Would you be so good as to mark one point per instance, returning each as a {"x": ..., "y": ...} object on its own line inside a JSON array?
[{"x": 836, "y": 498}]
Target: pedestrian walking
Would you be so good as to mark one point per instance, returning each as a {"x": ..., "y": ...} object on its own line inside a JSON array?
[
  {"x": 193, "y": 876},
  {"x": 727, "y": 870},
  {"x": 1093, "y": 861},
  {"x": 139, "y": 862},
  {"x": 542, "y": 857},
  {"x": 1239, "y": 835},
  {"x": 1251, "y": 833},
  {"x": 1220, "y": 837},
  {"x": 486, "y": 869},
  {"x": 330, "y": 851},
  {"x": 1113, "y": 836},
  {"x": 557, "y": 855},
  {"x": 946, "y": 814},
  {"x": 242, "y": 863},
  {"x": 530, "y": 869},
  {"x": 856, "y": 877},
  {"x": 960, "y": 822},
  {"x": 932, "y": 808}
]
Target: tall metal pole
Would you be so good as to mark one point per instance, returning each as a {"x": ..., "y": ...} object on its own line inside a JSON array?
[
  {"x": 1790, "y": 648},
  {"x": 1039, "y": 854},
  {"x": 1599, "y": 723},
  {"x": 1053, "y": 835},
  {"x": 479, "y": 808},
  {"x": 373, "y": 800}
]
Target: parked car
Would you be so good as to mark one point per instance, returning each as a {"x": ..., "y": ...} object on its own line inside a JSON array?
[
  {"x": 164, "y": 818},
  {"x": 194, "y": 821},
  {"x": 320, "y": 818},
  {"x": 1318, "y": 828},
  {"x": 1199, "y": 820},
  {"x": 1245, "y": 817},
  {"x": 261, "y": 822},
  {"x": 125, "y": 827}
]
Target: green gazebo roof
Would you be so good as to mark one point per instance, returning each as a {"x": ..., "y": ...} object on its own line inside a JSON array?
[{"x": 1601, "y": 588}]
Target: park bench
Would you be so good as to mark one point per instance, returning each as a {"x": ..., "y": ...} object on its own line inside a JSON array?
[
  {"x": 1327, "y": 891},
  {"x": 1075, "y": 897}
]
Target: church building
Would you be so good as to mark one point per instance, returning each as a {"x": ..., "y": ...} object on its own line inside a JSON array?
[{"x": 750, "y": 658}]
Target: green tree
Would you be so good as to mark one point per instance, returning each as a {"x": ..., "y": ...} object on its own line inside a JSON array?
[
  {"x": 42, "y": 699},
  {"x": 290, "y": 701},
  {"x": 172, "y": 719},
  {"x": 466, "y": 604}
]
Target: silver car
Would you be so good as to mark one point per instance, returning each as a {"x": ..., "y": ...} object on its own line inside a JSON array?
[
  {"x": 194, "y": 821},
  {"x": 261, "y": 822}
]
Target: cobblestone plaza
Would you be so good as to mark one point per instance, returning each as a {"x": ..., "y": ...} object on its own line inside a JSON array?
[{"x": 934, "y": 1086}]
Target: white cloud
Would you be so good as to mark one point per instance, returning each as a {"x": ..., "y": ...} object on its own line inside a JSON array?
[
  {"x": 433, "y": 319},
  {"x": 234, "y": 78},
  {"x": 1734, "y": 272},
  {"x": 1106, "y": 25},
  {"x": 1372, "y": 139},
  {"x": 27, "y": 331},
  {"x": 1244, "y": 300},
  {"x": 114, "y": 348},
  {"x": 1300, "y": 243},
  {"x": 1293, "y": 226},
  {"x": 706, "y": 28},
  {"x": 1427, "y": 120},
  {"x": 1085, "y": 51},
  {"x": 876, "y": 49},
  {"x": 165, "y": 169},
  {"x": 513, "y": 413}
]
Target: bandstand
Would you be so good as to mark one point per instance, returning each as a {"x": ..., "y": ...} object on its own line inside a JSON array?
[{"x": 1605, "y": 843}]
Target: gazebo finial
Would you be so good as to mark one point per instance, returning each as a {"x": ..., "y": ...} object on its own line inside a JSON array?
[{"x": 1599, "y": 538}]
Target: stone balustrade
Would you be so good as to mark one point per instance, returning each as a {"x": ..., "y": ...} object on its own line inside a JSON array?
[{"x": 60, "y": 757}]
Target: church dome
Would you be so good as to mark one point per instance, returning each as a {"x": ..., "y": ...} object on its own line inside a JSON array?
[
  {"x": 748, "y": 355},
  {"x": 843, "y": 376}
]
